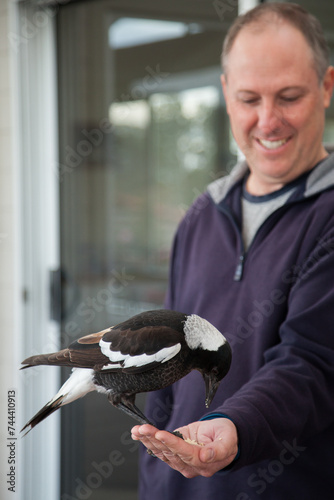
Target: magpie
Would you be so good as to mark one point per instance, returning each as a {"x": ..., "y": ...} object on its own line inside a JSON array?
[{"x": 144, "y": 353}]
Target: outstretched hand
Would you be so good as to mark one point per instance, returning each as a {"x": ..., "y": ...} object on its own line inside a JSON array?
[{"x": 218, "y": 446}]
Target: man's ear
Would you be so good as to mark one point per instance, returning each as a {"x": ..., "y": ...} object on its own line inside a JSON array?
[{"x": 328, "y": 83}]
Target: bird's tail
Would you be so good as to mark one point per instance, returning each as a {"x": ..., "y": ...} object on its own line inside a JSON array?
[
  {"x": 61, "y": 358},
  {"x": 77, "y": 386},
  {"x": 49, "y": 408}
]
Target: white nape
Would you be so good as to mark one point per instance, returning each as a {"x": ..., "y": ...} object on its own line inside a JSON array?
[{"x": 199, "y": 333}]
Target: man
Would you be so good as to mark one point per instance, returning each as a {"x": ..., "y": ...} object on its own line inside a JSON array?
[{"x": 255, "y": 256}]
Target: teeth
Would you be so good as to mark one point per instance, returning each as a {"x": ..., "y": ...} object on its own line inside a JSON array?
[{"x": 272, "y": 144}]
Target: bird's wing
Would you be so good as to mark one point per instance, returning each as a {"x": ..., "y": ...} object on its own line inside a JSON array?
[
  {"x": 87, "y": 353},
  {"x": 82, "y": 353},
  {"x": 134, "y": 346},
  {"x": 139, "y": 349}
]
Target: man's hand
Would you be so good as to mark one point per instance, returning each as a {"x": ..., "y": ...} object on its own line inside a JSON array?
[{"x": 218, "y": 438}]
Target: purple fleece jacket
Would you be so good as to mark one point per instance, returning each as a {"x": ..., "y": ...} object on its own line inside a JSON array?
[{"x": 275, "y": 305}]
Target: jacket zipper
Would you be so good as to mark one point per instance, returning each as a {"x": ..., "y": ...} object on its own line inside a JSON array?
[
  {"x": 240, "y": 268},
  {"x": 241, "y": 260}
]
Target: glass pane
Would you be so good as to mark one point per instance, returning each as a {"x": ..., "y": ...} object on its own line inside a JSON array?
[
  {"x": 141, "y": 135},
  {"x": 142, "y": 132}
]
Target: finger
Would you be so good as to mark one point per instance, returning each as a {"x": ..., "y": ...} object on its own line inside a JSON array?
[
  {"x": 152, "y": 437},
  {"x": 215, "y": 455},
  {"x": 161, "y": 445},
  {"x": 176, "y": 463},
  {"x": 168, "y": 448},
  {"x": 175, "y": 457},
  {"x": 138, "y": 431},
  {"x": 189, "y": 431},
  {"x": 189, "y": 459},
  {"x": 145, "y": 434},
  {"x": 188, "y": 453},
  {"x": 207, "y": 454},
  {"x": 134, "y": 433}
]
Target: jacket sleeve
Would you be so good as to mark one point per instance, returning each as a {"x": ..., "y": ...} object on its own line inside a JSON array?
[{"x": 290, "y": 399}]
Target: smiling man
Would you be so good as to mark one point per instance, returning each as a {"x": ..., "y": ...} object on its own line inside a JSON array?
[
  {"x": 276, "y": 103},
  {"x": 255, "y": 256}
]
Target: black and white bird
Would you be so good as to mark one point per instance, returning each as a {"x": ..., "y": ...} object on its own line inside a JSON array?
[{"x": 145, "y": 353}]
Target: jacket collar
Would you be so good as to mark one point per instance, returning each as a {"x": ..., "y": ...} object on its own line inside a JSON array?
[{"x": 320, "y": 179}]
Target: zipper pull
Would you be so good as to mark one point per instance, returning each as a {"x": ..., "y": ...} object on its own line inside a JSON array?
[{"x": 239, "y": 270}]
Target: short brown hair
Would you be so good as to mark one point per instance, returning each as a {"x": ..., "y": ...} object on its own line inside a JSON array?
[{"x": 293, "y": 14}]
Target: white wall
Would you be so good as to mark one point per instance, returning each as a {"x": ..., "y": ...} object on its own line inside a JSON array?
[{"x": 9, "y": 289}]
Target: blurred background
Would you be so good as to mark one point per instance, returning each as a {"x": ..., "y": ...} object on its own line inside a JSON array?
[{"x": 112, "y": 123}]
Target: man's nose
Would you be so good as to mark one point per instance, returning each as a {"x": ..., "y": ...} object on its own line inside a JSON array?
[{"x": 270, "y": 118}]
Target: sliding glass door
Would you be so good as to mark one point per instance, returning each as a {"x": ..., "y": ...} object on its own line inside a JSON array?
[{"x": 142, "y": 133}]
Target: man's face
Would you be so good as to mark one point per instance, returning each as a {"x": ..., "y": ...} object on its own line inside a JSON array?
[{"x": 276, "y": 104}]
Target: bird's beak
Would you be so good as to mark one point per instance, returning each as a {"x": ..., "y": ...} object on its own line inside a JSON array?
[{"x": 211, "y": 386}]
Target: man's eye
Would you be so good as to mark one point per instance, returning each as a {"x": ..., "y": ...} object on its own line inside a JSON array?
[
  {"x": 290, "y": 98},
  {"x": 252, "y": 100}
]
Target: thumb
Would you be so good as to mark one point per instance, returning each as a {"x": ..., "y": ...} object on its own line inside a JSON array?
[
  {"x": 208, "y": 454},
  {"x": 216, "y": 452}
]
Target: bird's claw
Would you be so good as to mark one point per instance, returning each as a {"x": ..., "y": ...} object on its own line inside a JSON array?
[
  {"x": 178, "y": 434},
  {"x": 150, "y": 452}
]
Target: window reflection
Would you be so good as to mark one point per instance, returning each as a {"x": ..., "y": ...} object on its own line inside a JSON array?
[{"x": 129, "y": 31}]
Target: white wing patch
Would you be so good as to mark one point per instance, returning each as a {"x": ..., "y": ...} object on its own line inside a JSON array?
[
  {"x": 114, "y": 366},
  {"x": 199, "y": 333},
  {"x": 127, "y": 361}
]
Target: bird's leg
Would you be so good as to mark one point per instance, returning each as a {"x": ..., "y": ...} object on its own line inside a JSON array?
[
  {"x": 133, "y": 411},
  {"x": 126, "y": 403}
]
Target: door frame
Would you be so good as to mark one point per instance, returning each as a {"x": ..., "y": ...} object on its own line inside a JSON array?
[{"x": 33, "y": 40}]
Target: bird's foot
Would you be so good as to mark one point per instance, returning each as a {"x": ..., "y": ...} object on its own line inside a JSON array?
[{"x": 178, "y": 434}]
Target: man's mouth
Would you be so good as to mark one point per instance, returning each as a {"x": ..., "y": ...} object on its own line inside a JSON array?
[{"x": 273, "y": 144}]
